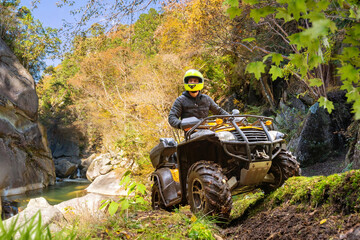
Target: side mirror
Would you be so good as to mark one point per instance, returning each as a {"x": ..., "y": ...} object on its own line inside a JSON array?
[{"x": 189, "y": 122}]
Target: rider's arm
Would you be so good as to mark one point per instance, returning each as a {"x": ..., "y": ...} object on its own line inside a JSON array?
[
  {"x": 175, "y": 113},
  {"x": 215, "y": 109}
]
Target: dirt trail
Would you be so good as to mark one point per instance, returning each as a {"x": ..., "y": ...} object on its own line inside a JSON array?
[{"x": 299, "y": 221}]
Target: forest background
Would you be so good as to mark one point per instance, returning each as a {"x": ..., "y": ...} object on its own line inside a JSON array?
[{"x": 115, "y": 86}]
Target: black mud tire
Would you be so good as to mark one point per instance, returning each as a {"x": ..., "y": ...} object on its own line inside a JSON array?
[
  {"x": 208, "y": 192},
  {"x": 283, "y": 167},
  {"x": 156, "y": 201}
]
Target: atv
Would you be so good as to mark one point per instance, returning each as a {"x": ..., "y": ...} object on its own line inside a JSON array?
[{"x": 221, "y": 156}]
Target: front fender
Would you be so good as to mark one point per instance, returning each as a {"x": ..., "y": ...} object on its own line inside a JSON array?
[{"x": 169, "y": 189}]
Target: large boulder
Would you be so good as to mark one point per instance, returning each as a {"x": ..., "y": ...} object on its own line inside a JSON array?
[
  {"x": 64, "y": 168},
  {"x": 26, "y": 161},
  {"x": 86, "y": 206},
  {"x": 108, "y": 184},
  {"x": 48, "y": 213},
  {"x": 322, "y": 135}
]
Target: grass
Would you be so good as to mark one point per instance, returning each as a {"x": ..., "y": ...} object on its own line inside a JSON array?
[{"x": 32, "y": 229}]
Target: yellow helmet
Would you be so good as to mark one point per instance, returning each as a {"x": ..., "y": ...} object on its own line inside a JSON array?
[{"x": 193, "y": 86}]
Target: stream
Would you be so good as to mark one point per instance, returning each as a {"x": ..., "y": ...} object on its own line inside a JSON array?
[{"x": 55, "y": 194}]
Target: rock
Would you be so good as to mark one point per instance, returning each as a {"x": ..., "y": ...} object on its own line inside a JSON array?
[
  {"x": 322, "y": 134},
  {"x": 315, "y": 141},
  {"x": 108, "y": 184},
  {"x": 86, "y": 206},
  {"x": 105, "y": 169},
  {"x": 353, "y": 155},
  {"x": 63, "y": 142},
  {"x": 352, "y": 234},
  {"x": 64, "y": 168},
  {"x": 297, "y": 104},
  {"x": 95, "y": 166},
  {"x": 26, "y": 161},
  {"x": 48, "y": 214}
]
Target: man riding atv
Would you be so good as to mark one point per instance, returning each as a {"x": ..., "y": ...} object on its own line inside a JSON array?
[
  {"x": 222, "y": 155},
  {"x": 193, "y": 103}
]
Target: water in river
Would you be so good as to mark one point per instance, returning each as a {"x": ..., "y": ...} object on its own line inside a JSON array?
[{"x": 61, "y": 191}]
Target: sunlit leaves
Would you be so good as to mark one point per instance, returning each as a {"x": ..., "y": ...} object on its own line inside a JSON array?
[
  {"x": 314, "y": 61},
  {"x": 296, "y": 7},
  {"x": 250, "y": 39},
  {"x": 234, "y": 12},
  {"x": 258, "y": 13},
  {"x": 300, "y": 62},
  {"x": 348, "y": 72},
  {"x": 284, "y": 14},
  {"x": 257, "y": 68},
  {"x": 327, "y": 104},
  {"x": 251, "y": 2},
  {"x": 315, "y": 82},
  {"x": 234, "y": 9},
  {"x": 353, "y": 35},
  {"x": 276, "y": 72},
  {"x": 276, "y": 58},
  {"x": 350, "y": 52},
  {"x": 232, "y": 3}
]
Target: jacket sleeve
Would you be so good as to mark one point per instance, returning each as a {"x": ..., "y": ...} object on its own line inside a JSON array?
[
  {"x": 215, "y": 109},
  {"x": 175, "y": 113}
]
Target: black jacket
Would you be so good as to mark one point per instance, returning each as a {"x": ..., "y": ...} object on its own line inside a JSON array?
[{"x": 187, "y": 106}]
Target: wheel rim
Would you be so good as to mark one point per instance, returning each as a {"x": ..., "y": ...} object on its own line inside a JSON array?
[{"x": 198, "y": 193}]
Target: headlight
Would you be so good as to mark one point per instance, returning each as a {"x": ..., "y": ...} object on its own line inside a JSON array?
[
  {"x": 225, "y": 136},
  {"x": 276, "y": 135}
]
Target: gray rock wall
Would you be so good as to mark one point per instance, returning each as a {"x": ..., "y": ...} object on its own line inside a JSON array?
[{"x": 25, "y": 161}]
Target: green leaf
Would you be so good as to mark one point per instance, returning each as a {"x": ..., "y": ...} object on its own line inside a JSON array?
[
  {"x": 276, "y": 58},
  {"x": 299, "y": 61},
  {"x": 113, "y": 207},
  {"x": 353, "y": 35},
  {"x": 104, "y": 203},
  {"x": 352, "y": 94},
  {"x": 347, "y": 71},
  {"x": 251, "y": 2},
  {"x": 315, "y": 16},
  {"x": 283, "y": 14},
  {"x": 250, "y": 39},
  {"x": 257, "y": 68},
  {"x": 258, "y": 13},
  {"x": 125, "y": 180},
  {"x": 295, "y": 7},
  {"x": 315, "y": 82},
  {"x": 234, "y": 12},
  {"x": 327, "y": 104},
  {"x": 356, "y": 107},
  {"x": 314, "y": 61},
  {"x": 318, "y": 6},
  {"x": 125, "y": 204},
  {"x": 350, "y": 52},
  {"x": 141, "y": 188},
  {"x": 276, "y": 72},
  {"x": 232, "y": 3}
]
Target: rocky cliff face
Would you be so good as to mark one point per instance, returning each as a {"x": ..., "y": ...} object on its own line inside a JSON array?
[{"x": 25, "y": 161}]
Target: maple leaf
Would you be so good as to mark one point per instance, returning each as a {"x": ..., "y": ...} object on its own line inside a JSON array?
[
  {"x": 315, "y": 82},
  {"x": 256, "y": 67},
  {"x": 276, "y": 72},
  {"x": 327, "y": 104}
]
